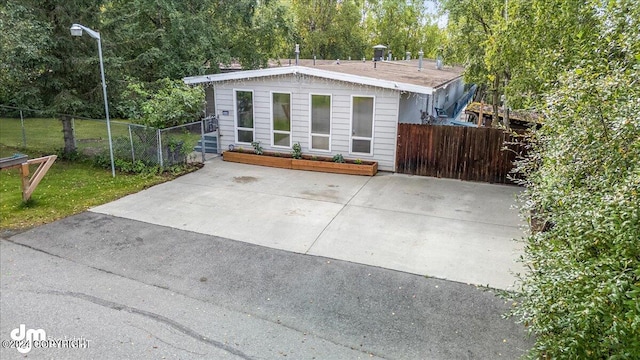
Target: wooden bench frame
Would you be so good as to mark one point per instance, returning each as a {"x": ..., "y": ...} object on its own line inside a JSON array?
[{"x": 29, "y": 185}]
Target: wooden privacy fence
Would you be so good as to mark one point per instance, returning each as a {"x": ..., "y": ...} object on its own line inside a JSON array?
[{"x": 457, "y": 152}]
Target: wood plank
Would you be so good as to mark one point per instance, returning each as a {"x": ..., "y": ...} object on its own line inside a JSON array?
[{"x": 467, "y": 153}]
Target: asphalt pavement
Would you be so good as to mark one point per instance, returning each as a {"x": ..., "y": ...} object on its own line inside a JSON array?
[{"x": 135, "y": 290}]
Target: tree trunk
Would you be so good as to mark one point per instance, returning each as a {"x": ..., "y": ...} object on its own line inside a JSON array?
[
  {"x": 507, "y": 123},
  {"x": 67, "y": 132},
  {"x": 480, "y": 92},
  {"x": 496, "y": 99}
]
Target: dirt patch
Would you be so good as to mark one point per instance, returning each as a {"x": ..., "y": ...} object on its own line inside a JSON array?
[{"x": 244, "y": 179}]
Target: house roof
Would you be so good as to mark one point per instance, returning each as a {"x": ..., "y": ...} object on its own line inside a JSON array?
[{"x": 395, "y": 75}]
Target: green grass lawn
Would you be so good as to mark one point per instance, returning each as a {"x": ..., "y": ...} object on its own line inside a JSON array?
[
  {"x": 67, "y": 189},
  {"x": 45, "y": 134},
  {"x": 44, "y": 137}
]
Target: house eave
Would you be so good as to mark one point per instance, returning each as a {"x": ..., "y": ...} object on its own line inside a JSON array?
[{"x": 302, "y": 70}]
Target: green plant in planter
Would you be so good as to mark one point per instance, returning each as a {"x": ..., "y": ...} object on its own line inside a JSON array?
[
  {"x": 314, "y": 157},
  {"x": 338, "y": 158},
  {"x": 257, "y": 148},
  {"x": 297, "y": 151},
  {"x": 357, "y": 162}
]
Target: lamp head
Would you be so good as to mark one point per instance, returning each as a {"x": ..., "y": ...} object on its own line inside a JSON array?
[{"x": 76, "y": 30}]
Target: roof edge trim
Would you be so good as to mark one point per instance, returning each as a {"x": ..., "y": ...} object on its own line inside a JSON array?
[{"x": 364, "y": 80}]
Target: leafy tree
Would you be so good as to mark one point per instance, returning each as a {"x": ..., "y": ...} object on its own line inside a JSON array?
[
  {"x": 59, "y": 71},
  {"x": 541, "y": 40},
  {"x": 346, "y": 35},
  {"x": 163, "y": 103},
  {"x": 158, "y": 39},
  {"x": 581, "y": 296},
  {"x": 473, "y": 36},
  {"x": 329, "y": 29},
  {"x": 403, "y": 26},
  {"x": 171, "y": 39},
  {"x": 23, "y": 41},
  {"x": 272, "y": 32},
  {"x": 517, "y": 47}
]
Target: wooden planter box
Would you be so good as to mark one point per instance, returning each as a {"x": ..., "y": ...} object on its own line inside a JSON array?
[
  {"x": 253, "y": 159},
  {"x": 367, "y": 168}
]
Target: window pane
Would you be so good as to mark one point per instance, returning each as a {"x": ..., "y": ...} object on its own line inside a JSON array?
[
  {"x": 211, "y": 103},
  {"x": 282, "y": 139},
  {"x": 320, "y": 142},
  {"x": 245, "y": 136},
  {"x": 281, "y": 112},
  {"x": 244, "y": 108},
  {"x": 320, "y": 114},
  {"x": 361, "y": 146},
  {"x": 362, "y": 116}
]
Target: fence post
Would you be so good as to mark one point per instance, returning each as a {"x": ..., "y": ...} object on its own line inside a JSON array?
[
  {"x": 24, "y": 134},
  {"x": 73, "y": 131},
  {"x": 160, "y": 160},
  {"x": 133, "y": 151},
  {"x": 202, "y": 140}
]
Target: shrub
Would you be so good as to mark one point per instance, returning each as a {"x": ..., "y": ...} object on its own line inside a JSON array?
[{"x": 581, "y": 295}]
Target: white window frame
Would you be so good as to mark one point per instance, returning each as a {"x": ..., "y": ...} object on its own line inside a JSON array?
[
  {"x": 311, "y": 134},
  {"x": 290, "y": 132},
  {"x": 235, "y": 115},
  {"x": 373, "y": 124}
]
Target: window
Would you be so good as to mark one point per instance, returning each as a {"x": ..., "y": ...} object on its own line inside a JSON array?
[
  {"x": 244, "y": 116},
  {"x": 210, "y": 98},
  {"x": 361, "y": 124},
  {"x": 320, "y": 122},
  {"x": 281, "y": 119}
]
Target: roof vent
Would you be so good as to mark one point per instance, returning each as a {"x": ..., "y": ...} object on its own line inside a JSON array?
[{"x": 378, "y": 52}]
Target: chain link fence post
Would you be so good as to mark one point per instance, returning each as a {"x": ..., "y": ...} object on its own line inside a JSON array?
[
  {"x": 160, "y": 162},
  {"x": 133, "y": 151},
  {"x": 202, "y": 141},
  {"x": 24, "y": 134}
]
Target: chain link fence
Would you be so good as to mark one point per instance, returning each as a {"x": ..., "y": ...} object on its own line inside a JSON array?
[{"x": 30, "y": 130}]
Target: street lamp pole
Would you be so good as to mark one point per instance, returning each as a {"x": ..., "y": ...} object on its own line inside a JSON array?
[{"x": 76, "y": 30}]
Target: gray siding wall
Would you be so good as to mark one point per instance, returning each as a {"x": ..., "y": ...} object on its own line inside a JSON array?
[
  {"x": 410, "y": 106},
  {"x": 454, "y": 91},
  {"x": 385, "y": 125}
]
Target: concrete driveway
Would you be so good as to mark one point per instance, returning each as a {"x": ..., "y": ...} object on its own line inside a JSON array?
[{"x": 448, "y": 229}]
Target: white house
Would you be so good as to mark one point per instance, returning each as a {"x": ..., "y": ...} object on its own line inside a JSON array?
[{"x": 349, "y": 107}]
